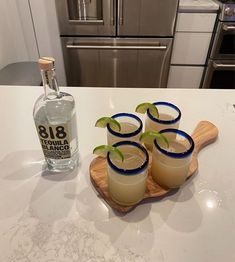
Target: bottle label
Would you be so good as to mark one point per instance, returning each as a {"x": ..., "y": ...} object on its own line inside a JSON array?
[{"x": 56, "y": 141}]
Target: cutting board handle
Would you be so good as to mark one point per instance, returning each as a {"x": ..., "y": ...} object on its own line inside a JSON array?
[{"x": 204, "y": 134}]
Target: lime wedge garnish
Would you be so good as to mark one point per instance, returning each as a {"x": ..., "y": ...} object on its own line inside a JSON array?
[
  {"x": 149, "y": 136},
  {"x": 142, "y": 108},
  {"x": 104, "y": 121},
  {"x": 103, "y": 150}
]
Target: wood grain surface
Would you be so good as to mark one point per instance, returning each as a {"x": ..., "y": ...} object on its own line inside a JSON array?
[{"x": 204, "y": 134}]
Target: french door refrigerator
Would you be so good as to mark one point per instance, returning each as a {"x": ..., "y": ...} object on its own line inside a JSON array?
[{"x": 117, "y": 43}]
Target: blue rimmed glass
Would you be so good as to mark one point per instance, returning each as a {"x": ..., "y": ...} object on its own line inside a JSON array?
[
  {"x": 131, "y": 128},
  {"x": 170, "y": 165},
  {"x": 127, "y": 179},
  {"x": 169, "y": 117}
]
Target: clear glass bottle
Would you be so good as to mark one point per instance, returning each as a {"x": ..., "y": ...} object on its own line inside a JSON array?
[{"x": 55, "y": 120}]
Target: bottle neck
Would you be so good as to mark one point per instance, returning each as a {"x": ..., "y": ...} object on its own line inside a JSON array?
[{"x": 50, "y": 83}]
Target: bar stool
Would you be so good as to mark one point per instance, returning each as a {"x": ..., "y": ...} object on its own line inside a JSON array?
[{"x": 21, "y": 73}]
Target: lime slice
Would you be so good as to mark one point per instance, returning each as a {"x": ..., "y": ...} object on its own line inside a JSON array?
[
  {"x": 149, "y": 136},
  {"x": 103, "y": 150},
  {"x": 104, "y": 121},
  {"x": 142, "y": 108}
]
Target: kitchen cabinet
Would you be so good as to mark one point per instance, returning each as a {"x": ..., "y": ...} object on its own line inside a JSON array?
[
  {"x": 185, "y": 76},
  {"x": 192, "y": 38},
  {"x": 190, "y": 49},
  {"x": 198, "y": 22}
]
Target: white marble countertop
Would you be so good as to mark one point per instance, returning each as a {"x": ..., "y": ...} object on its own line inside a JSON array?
[
  {"x": 61, "y": 218},
  {"x": 198, "y": 5}
]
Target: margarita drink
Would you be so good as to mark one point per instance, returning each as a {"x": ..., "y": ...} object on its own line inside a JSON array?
[
  {"x": 170, "y": 165},
  {"x": 127, "y": 179},
  {"x": 131, "y": 128},
  {"x": 169, "y": 117},
  {"x": 151, "y": 125}
]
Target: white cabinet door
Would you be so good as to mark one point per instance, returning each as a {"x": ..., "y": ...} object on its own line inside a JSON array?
[
  {"x": 198, "y": 22},
  {"x": 185, "y": 76},
  {"x": 190, "y": 48}
]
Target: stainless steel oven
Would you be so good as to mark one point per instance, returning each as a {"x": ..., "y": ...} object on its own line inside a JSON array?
[
  {"x": 224, "y": 43},
  {"x": 119, "y": 43},
  {"x": 220, "y": 71},
  {"x": 220, "y": 74}
]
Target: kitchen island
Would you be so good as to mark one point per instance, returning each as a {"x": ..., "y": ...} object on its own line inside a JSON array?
[{"x": 60, "y": 217}]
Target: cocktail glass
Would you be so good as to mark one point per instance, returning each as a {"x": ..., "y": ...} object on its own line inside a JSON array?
[
  {"x": 169, "y": 117},
  {"x": 127, "y": 179},
  {"x": 170, "y": 165},
  {"x": 131, "y": 128}
]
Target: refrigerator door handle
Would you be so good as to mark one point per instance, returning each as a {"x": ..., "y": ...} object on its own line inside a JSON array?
[
  {"x": 120, "y": 12},
  {"x": 111, "y": 12},
  {"x": 111, "y": 47}
]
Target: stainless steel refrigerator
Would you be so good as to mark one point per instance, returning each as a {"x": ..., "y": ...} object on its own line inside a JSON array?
[{"x": 117, "y": 43}]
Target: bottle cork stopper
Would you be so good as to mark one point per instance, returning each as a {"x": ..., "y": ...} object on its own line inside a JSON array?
[{"x": 46, "y": 63}]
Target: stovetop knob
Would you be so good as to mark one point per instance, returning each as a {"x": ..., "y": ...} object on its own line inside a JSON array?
[{"x": 229, "y": 11}]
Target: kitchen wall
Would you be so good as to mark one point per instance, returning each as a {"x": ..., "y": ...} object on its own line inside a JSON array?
[
  {"x": 17, "y": 39},
  {"x": 47, "y": 33},
  {"x": 28, "y": 30}
]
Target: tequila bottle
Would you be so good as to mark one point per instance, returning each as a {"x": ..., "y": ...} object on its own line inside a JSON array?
[{"x": 55, "y": 120}]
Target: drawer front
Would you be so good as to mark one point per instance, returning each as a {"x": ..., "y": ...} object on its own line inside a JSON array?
[
  {"x": 185, "y": 76},
  {"x": 190, "y": 48},
  {"x": 119, "y": 62},
  {"x": 188, "y": 22}
]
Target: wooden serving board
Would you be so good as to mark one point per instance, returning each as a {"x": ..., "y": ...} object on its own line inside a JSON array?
[{"x": 205, "y": 133}]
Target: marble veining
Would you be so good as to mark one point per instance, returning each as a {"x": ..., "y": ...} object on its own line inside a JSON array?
[
  {"x": 65, "y": 241},
  {"x": 61, "y": 218}
]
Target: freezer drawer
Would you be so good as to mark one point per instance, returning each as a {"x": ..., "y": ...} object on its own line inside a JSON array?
[
  {"x": 146, "y": 17},
  {"x": 104, "y": 62}
]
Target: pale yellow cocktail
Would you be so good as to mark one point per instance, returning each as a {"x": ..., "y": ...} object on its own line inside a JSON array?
[
  {"x": 170, "y": 165},
  {"x": 127, "y": 179},
  {"x": 169, "y": 117},
  {"x": 131, "y": 128}
]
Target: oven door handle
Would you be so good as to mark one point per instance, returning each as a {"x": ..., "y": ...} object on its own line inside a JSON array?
[
  {"x": 111, "y": 47},
  {"x": 228, "y": 27},
  {"x": 225, "y": 66}
]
